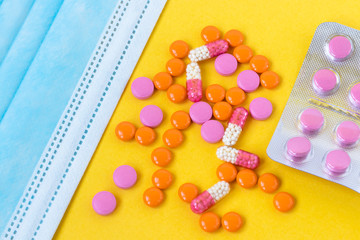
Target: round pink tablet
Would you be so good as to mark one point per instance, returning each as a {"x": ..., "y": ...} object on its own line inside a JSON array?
[
  {"x": 248, "y": 80},
  {"x": 354, "y": 95},
  {"x": 226, "y": 64},
  {"x": 212, "y": 131},
  {"x": 142, "y": 87},
  {"x": 311, "y": 120},
  {"x": 125, "y": 176},
  {"x": 340, "y": 47},
  {"x": 104, "y": 203},
  {"x": 347, "y": 133},
  {"x": 151, "y": 116},
  {"x": 200, "y": 112},
  {"x": 260, "y": 108},
  {"x": 337, "y": 161},
  {"x": 298, "y": 147},
  {"x": 324, "y": 81}
]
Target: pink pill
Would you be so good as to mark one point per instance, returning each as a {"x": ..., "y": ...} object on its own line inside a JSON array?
[
  {"x": 340, "y": 47},
  {"x": 226, "y": 64},
  {"x": 311, "y": 120},
  {"x": 151, "y": 116},
  {"x": 248, "y": 80},
  {"x": 125, "y": 176},
  {"x": 200, "y": 112},
  {"x": 212, "y": 131},
  {"x": 104, "y": 203},
  {"x": 347, "y": 133},
  {"x": 298, "y": 147},
  {"x": 324, "y": 81},
  {"x": 260, "y": 108},
  {"x": 337, "y": 161},
  {"x": 142, "y": 88},
  {"x": 354, "y": 95}
]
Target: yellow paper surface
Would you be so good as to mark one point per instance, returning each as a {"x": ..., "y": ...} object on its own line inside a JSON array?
[{"x": 282, "y": 31}]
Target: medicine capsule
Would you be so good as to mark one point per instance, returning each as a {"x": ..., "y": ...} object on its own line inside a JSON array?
[
  {"x": 238, "y": 157},
  {"x": 235, "y": 126},
  {"x": 193, "y": 82},
  {"x": 210, "y": 197},
  {"x": 208, "y": 51}
]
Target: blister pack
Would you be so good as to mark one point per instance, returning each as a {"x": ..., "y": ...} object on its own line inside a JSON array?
[{"x": 319, "y": 129}]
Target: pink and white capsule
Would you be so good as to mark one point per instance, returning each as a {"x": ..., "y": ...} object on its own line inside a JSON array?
[
  {"x": 235, "y": 126},
  {"x": 208, "y": 51},
  {"x": 238, "y": 157},
  {"x": 210, "y": 197},
  {"x": 193, "y": 82}
]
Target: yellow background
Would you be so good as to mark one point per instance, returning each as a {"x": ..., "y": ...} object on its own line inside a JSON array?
[{"x": 280, "y": 30}]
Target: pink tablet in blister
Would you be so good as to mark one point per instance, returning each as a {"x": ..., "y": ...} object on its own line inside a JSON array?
[
  {"x": 354, "y": 95},
  {"x": 298, "y": 148},
  {"x": 311, "y": 120},
  {"x": 347, "y": 133},
  {"x": 337, "y": 161},
  {"x": 340, "y": 47},
  {"x": 325, "y": 81}
]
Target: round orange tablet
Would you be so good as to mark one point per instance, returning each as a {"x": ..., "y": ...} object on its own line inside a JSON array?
[
  {"x": 179, "y": 49},
  {"x": 231, "y": 221},
  {"x": 162, "y": 80},
  {"x": 187, "y": 192},
  {"x": 246, "y": 178},
  {"x": 222, "y": 111},
  {"x": 161, "y": 156},
  {"x": 234, "y": 37},
  {"x": 268, "y": 182},
  {"x": 180, "y": 120},
  {"x": 209, "y": 222},
  {"x": 235, "y": 96},
  {"x": 176, "y": 93},
  {"x": 226, "y": 172},
  {"x": 145, "y": 136},
  {"x": 173, "y": 138},
  {"x": 125, "y": 131},
  {"x": 259, "y": 63},
  {"x": 210, "y": 34},
  {"x": 175, "y": 67},
  {"x": 284, "y": 202},
  {"x": 243, "y": 53},
  {"x": 215, "y": 93},
  {"x": 269, "y": 79},
  {"x": 162, "y": 178},
  {"x": 153, "y": 197}
]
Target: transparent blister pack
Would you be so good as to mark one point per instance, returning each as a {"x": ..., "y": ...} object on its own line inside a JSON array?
[{"x": 319, "y": 129}]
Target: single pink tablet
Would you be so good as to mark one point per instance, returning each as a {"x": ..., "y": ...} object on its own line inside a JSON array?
[
  {"x": 151, "y": 116},
  {"x": 340, "y": 47},
  {"x": 226, "y": 64},
  {"x": 325, "y": 81},
  {"x": 337, "y": 161},
  {"x": 354, "y": 95},
  {"x": 200, "y": 112},
  {"x": 260, "y": 108},
  {"x": 142, "y": 87},
  {"x": 311, "y": 120},
  {"x": 212, "y": 131},
  {"x": 347, "y": 133},
  {"x": 298, "y": 147},
  {"x": 248, "y": 80},
  {"x": 125, "y": 176},
  {"x": 104, "y": 203}
]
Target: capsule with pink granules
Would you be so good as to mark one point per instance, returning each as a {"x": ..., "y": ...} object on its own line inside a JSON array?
[
  {"x": 210, "y": 197},
  {"x": 235, "y": 126},
  {"x": 238, "y": 157},
  {"x": 193, "y": 82},
  {"x": 208, "y": 51}
]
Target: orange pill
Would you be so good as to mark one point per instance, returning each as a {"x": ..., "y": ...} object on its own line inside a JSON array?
[
  {"x": 268, "y": 182},
  {"x": 232, "y": 221},
  {"x": 175, "y": 67},
  {"x": 162, "y": 178},
  {"x": 153, "y": 197},
  {"x": 243, "y": 53},
  {"x": 161, "y": 156},
  {"x": 145, "y": 136},
  {"x": 173, "y": 138},
  {"x": 226, "y": 172},
  {"x": 180, "y": 120},
  {"x": 215, "y": 93},
  {"x": 246, "y": 178},
  {"x": 235, "y": 96},
  {"x": 179, "y": 49},
  {"x": 210, "y": 34},
  {"x": 259, "y": 63},
  {"x": 176, "y": 93},
  {"x": 234, "y": 37},
  {"x": 209, "y": 222},
  {"x": 162, "y": 80},
  {"x": 269, "y": 79},
  {"x": 125, "y": 131},
  {"x": 284, "y": 202},
  {"x": 187, "y": 192},
  {"x": 222, "y": 111}
]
